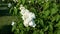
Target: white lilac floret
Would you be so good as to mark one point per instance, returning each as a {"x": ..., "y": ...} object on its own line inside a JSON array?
[{"x": 27, "y": 16}]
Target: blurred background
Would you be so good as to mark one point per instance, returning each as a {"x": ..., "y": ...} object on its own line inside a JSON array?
[{"x": 5, "y": 17}]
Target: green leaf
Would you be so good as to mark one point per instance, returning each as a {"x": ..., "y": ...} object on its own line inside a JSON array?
[
  {"x": 32, "y": 1},
  {"x": 23, "y": 1},
  {"x": 46, "y": 13},
  {"x": 53, "y": 19},
  {"x": 41, "y": 32},
  {"x": 54, "y": 9},
  {"x": 15, "y": 11},
  {"x": 58, "y": 24},
  {"x": 50, "y": 29},
  {"x": 11, "y": 10},
  {"x": 22, "y": 32},
  {"x": 28, "y": 28},
  {"x": 45, "y": 28},
  {"x": 57, "y": 31},
  {"x": 41, "y": 22},
  {"x": 13, "y": 28},
  {"x": 46, "y": 6},
  {"x": 33, "y": 9},
  {"x": 34, "y": 32},
  {"x": 57, "y": 17}
]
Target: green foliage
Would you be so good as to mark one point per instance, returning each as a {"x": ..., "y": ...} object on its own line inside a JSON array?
[
  {"x": 23, "y": 1},
  {"x": 47, "y": 17}
]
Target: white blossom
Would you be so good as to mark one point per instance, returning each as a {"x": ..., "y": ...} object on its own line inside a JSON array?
[
  {"x": 32, "y": 24},
  {"x": 9, "y": 5},
  {"x": 32, "y": 15},
  {"x": 21, "y": 7},
  {"x": 25, "y": 23},
  {"x": 13, "y": 23},
  {"x": 27, "y": 16}
]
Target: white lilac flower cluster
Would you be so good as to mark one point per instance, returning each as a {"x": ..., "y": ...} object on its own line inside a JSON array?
[{"x": 27, "y": 17}]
